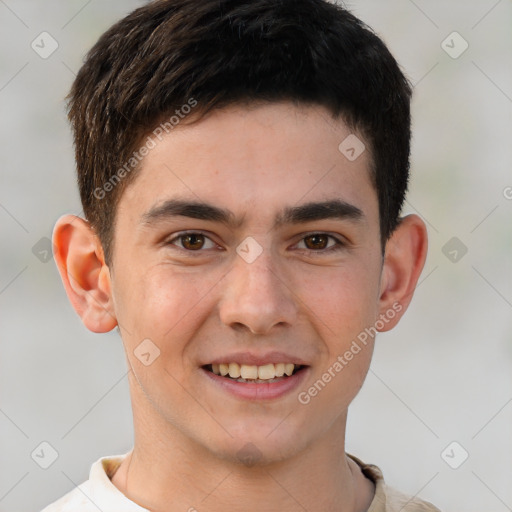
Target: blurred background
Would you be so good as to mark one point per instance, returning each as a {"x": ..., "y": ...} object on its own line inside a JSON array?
[{"x": 435, "y": 412}]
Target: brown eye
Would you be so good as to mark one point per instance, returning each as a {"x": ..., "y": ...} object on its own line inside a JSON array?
[
  {"x": 192, "y": 241},
  {"x": 316, "y": 242},
  {"x": 319, "y": 243}
]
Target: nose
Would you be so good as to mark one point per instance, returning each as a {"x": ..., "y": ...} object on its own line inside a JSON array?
[{"x": 258, "y": 297}]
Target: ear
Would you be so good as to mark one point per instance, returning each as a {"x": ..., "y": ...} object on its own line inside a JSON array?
[
  {"x": 405, "y": 255},
  {"x": 86, "y": 277}
]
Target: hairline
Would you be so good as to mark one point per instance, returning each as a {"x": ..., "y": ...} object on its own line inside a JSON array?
[{"x": 201, "y": 112}]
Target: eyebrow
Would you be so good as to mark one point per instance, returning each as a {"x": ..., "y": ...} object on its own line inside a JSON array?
[{"x": 308, "y": 212}]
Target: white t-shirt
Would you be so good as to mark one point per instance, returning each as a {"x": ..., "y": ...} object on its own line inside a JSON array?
[{"x": 99, "y": 493}]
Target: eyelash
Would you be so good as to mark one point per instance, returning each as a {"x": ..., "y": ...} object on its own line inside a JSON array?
[{"x": 339, "y": 245}]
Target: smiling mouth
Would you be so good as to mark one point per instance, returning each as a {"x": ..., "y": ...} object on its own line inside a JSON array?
[{"x": 267, "y": 373}]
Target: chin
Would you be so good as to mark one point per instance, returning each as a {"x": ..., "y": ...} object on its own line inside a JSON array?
[{"x": 259, "y": 445}]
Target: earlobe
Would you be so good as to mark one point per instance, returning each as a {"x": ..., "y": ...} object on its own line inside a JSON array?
[
  {"x": 86, "y": 277},
  {"x": 405, "y": 256}
]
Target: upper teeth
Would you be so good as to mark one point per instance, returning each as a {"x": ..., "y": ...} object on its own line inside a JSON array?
[{"x": 245, "y": 371}]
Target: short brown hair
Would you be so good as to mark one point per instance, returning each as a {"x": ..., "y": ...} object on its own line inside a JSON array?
[{"x": 170, "y": 53}]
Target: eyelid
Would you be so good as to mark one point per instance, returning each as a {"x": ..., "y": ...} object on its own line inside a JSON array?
[
  {"x": 339, "y": 244},
  {"x": 339, "y": 241},
  {"x": 182, "y": 234}
]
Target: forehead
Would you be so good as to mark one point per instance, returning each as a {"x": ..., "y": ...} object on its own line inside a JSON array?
[{"x": 249, "y": 159}]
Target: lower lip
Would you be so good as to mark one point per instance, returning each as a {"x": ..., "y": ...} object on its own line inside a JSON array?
[{"x": 262, "y": 391}]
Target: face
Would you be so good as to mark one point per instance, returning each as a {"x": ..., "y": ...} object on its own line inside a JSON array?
[{"x": 279, "y": 262}]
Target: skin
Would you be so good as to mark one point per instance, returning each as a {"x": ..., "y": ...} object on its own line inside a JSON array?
[{"x": 296, "y": 297}]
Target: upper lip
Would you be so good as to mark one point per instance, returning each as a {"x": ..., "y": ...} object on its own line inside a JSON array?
[{"x": 253, "y": 359}]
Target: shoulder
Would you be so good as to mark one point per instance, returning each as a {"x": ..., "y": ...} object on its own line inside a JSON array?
[
  {"x": 77, "y": 499},
  {"x": 98, "y": 492},
  {"x": 397, "y": 501},
  {"x": 388, "y": 499}
]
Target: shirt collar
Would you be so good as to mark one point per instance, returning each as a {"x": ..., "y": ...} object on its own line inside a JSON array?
[
  {"x": 103, "y": 493},
  {"x": 108, "y": 498}
]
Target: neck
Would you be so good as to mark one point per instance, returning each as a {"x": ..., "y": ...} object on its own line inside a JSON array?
[{"x": 167, "y": 470}]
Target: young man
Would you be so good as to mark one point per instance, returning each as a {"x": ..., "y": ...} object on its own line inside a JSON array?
[{"x": 242, "y": 166}]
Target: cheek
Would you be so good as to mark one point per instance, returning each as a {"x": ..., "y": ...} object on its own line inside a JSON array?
[
  {"x": 161, "y": 304},
  {"x": 160, "y": 311},
  {"x": 344, "y": 300},
  {"x": 344, "y": 306}
]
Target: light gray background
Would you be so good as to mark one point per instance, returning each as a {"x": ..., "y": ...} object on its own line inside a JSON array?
[{"x": 443, "y": 375}]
